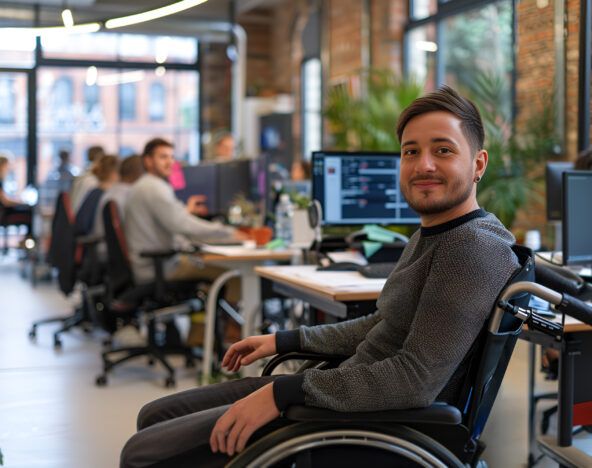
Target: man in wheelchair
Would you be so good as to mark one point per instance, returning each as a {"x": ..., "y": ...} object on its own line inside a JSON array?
[{"x": 409, "y": 353}]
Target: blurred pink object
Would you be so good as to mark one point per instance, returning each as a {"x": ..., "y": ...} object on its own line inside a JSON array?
[{"x": 177, "y": 178}]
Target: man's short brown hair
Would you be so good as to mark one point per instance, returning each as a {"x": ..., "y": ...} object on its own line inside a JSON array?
[
  {"x": 105, "y": 166},
  {"x": 131, "y": 169},
  {"x": 153, "y": 144},
  {"x": 448, "y": 100}
]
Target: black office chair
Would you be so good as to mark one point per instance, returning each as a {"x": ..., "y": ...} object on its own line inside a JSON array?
[
  {"x": 444, "y": 434},
  {"x": 156, "y": 303},
  {"x": 74, "y": 257},
  {"x": 21, "y": 215}
]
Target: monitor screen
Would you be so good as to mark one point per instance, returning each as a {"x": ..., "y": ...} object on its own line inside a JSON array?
[
  {"x": 360, "y": 188},
  {"x": 200, "y": 180},
  {"x": 577, "y": 217},
  {"x": 234, "y": 178},
  {"x": 554, "y": 184}
]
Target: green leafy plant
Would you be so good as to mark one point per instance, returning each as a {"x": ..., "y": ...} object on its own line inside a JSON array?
[
  {"x": 367, "y": 119},
  {"x": 513, "y": 174}
]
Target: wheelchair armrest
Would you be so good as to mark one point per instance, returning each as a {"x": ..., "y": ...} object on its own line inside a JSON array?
[
  {"x": 437, "y": 413},
  {"x": 303, "y": 355}
]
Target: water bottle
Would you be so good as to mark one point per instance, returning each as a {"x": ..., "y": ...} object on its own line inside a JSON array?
[{"x": 283, "y": 219}]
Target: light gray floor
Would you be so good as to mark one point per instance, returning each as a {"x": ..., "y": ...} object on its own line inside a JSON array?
[{"x": 52, "y": 414}]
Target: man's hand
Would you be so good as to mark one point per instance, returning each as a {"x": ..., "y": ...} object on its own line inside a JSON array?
[
  {"x": 196, "y": 205},
  {"x": 234, "y": 428},
  {"x": 247, "y": 351}
]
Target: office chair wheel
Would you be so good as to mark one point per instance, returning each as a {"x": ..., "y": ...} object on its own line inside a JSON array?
[
  {"x": 87, "y": 329},
  {"x": 151, "y": 362},
  {"x": 101, "y": 380},
  {"x": 57, "y": 343},
  {"x": 170, "y": 382}
]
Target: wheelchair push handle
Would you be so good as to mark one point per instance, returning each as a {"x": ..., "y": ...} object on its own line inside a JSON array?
[
  {"x": 552, "y": 279},
  {"x": 575, "y": 308}
]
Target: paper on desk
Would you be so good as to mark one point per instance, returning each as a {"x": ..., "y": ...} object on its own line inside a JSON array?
[
  {"x": 348, "y": 256},
  {"x": 238, "y": 250},
  {"x": 350, "y": 280}
]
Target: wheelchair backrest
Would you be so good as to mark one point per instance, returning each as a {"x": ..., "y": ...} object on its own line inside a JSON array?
[
  {"x": 491, "y": 354},
  {"x": 118, "y": 263}
]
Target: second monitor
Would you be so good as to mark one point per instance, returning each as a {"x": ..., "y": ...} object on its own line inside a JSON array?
[{"x": 360, "y": 188}]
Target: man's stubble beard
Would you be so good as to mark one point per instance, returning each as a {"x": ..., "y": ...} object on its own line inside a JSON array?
[{"x": 458, "y": 197}]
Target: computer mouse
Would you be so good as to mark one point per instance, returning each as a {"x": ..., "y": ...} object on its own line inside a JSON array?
[{"x": 340, "y": 266}]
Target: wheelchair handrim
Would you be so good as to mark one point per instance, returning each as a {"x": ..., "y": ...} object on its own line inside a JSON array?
[{"x": 389, "y": 443}]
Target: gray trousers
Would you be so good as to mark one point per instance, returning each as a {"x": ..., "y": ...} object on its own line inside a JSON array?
[{"x": 174, "y": 431}]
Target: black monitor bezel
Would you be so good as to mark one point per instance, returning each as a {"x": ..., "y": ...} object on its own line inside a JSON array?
[
  {"x": 316, "y": 154},
  {"x": 552, "y": 167},
  {"x": 565, "y": 223}
]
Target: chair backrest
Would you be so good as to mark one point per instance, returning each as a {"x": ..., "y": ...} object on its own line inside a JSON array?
[
  {"x": 85, "y": 217},
  {"x": 64, "y": 254},
  {"x": 118, "y": 263},
  {"x": 491, "y": 354}
]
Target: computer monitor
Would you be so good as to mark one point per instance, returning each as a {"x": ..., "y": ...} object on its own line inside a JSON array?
[
  {"x": 359, "y": 188},
  {"x": 234, "y": 178},
  {"x": 577, "y": 217},
  {"x": 201, "y": 180},
  {"x": 554, "y": 184}
]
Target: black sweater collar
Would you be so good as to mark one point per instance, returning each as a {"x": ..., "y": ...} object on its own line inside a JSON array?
[{"x": 453, "y": 223}]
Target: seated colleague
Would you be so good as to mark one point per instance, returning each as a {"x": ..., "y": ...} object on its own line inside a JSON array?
[
  {"x": 153, "y": 217},
  {"x": 12, "y": 212},
  {"x": 224, "y": 147},
  {"x": 87, "y": 181},
  {"x": 106, "y": 171},
  {"x": 584, "y": 161},
  {"x": 409, "y": 352},
  {"x": 130, "y": 170}
]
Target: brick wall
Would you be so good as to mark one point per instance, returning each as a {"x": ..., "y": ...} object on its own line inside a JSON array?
[{"x": 216, "y": 89}]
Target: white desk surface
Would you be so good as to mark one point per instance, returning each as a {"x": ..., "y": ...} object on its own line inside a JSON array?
[
  {"x": 234, "y": 253},
  {"x": 340, "y": 286}
]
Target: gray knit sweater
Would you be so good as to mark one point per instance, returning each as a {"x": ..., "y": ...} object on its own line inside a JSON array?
[{"x": 409, "y": 353}]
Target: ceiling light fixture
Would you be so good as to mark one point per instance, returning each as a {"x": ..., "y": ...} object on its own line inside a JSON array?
[
  {"x": 150, "y": 15},
  {"x": 68, "y": 18}
]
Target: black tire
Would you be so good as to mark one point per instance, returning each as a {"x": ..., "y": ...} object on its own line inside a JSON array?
[{"x": 275, "y": 440}]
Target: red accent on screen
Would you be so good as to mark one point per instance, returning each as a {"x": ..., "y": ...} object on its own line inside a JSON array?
[{"x": 582, "y": 414}]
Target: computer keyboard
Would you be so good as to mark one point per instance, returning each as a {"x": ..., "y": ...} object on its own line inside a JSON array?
[{"x": 377, "y": 270}]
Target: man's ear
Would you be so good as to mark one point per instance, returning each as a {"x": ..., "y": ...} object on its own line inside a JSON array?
[{"x": 480, "y": 161}]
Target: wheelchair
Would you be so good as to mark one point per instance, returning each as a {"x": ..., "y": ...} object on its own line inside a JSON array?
[{"x": 441, "y": 435}]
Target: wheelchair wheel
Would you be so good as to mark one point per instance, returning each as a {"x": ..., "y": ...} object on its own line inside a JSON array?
[{"x": 353, "y": 445}]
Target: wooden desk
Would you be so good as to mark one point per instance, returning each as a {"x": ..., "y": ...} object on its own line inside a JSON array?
[
  {"x": 342, "y": 294},
  {"x": 240, "y": 262}
]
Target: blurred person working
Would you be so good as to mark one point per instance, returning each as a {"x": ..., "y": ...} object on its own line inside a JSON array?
[
  {"x": 224, "y": 146},
  {"x": 106, "y": 172},
  {"x": 59, "y": 180},
  {"x": 12, "y": 211},
  {"x": 407, "y": 354},
  {"x": 154, "y": 216},
  {"x": 130, "y": 170},
  {"x": 86, "y": 181}
]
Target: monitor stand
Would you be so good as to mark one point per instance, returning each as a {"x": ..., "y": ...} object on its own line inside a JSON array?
[{"x": 557, "y": 225}]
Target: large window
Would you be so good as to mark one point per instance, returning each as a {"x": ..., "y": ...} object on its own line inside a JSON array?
[
  {"x": 458, "y": 42},
  {"x": 7, "y": 100},
  {"x": 156, "y": 102},
  {"x": 102, "y": 114},
  {"x": 127, "y": 101}
]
